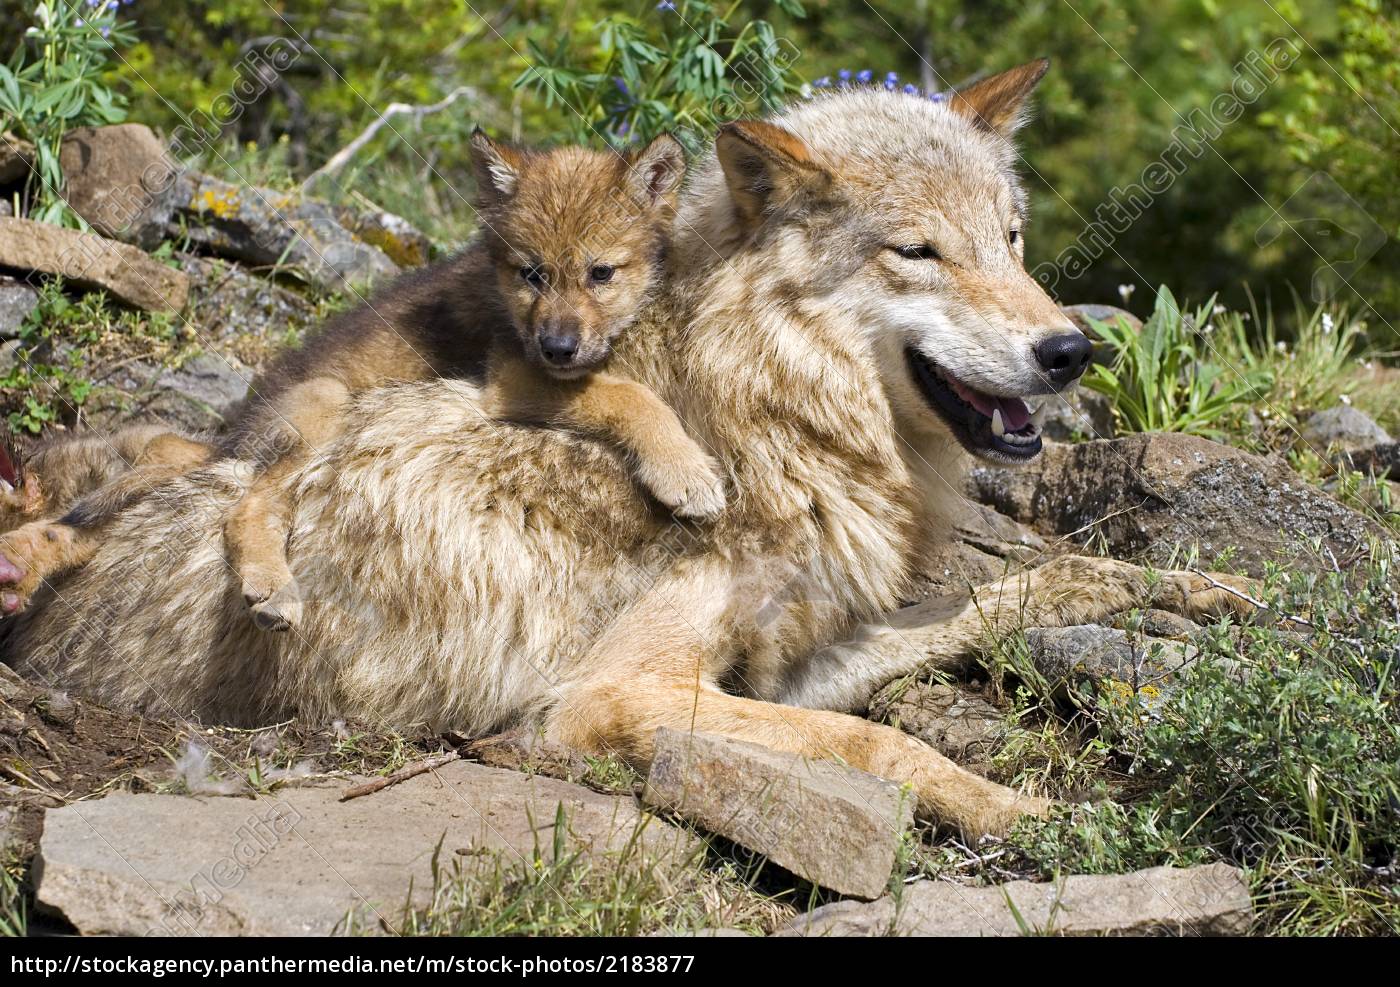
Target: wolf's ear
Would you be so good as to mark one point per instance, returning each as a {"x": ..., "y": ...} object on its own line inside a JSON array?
[
  {"x": 998, "y": 103},
  {"x": 764, "y": 166},
  {"x": 655, "y": 172},
  {"x": 497, "y": 166}
]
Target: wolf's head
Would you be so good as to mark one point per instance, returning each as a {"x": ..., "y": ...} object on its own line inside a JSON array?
[
  {"x": 579, "y": 240},
  {"x": 909, "y": 221}
]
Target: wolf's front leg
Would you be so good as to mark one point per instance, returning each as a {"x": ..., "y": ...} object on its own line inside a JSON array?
[
  {"x": 656, "y": 666},
  {"x": 944, "y": 632}
]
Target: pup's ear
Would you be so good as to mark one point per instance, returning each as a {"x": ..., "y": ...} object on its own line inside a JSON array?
[
  {"x": 765, "y": 166},
  {"x": 998, "y": 103},
  {"x": 497, "y": 166},
  {"x": 654, "y": 173}
]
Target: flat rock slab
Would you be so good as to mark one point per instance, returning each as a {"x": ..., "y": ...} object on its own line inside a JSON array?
[
  {"x": 827, "y": 823},
  {"x": 90, "y": 261},
  {"x": 1211, "y": 900},
  {"x": 296, "y": 862},
  {"x": 1129, "y": 666}
]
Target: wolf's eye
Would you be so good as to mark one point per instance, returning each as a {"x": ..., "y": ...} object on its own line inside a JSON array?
[
  {"x": 602, "y": 273},
  {"x": 1013, "y": 236},
  {"x": 918, "y": 251},
  {"x": 533, "y": 274}
]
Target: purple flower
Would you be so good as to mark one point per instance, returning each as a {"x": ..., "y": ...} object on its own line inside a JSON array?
[
  {"x": 864, "y": 76},
  {"x": 106, "y": 30},
  {"x": 910, "y": 89},
  {"x": 822, "y": 83},
  {"x": 936, "y": 97},
  {"x": 891, "y": 80},
  {"x": 621, "y": 85},
  {"x": 666, "y": 5}
]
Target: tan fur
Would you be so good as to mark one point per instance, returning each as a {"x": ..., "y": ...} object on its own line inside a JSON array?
[{"x": 467, "y": 573}]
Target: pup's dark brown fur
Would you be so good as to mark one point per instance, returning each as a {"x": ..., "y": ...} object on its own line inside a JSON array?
[{"x": 573, "y": 245}]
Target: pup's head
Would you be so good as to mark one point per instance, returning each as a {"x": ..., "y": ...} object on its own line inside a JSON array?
[
  {"x": 909, "y": 216},
  {"x": 579, "y": 240}
]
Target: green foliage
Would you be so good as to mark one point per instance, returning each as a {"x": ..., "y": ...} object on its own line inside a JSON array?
[
  {"x": 1278, "y": 751},
  {"x": 683, "y": 73},
  {"x": 56, "y": 80},
  {"x": 1160, "y": 379}
]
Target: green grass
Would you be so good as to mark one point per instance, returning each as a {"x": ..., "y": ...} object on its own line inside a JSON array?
[{"x": 1280, "y": 752}]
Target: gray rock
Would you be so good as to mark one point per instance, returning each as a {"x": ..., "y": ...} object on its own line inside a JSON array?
[
  {"x": 1145, "y": 495},
  {"x": 1344, "y": 428},
  {"x": 830, "y": 824},
  {"x": 1078, "y": 415},
  {"x": 17, "y": 300},
  {"x": 296, "y": 862},
  {"x": 1092, "y": 655},
  {"x": 249, "y": 314},
  {"x": 265, "y": 227},
  {"x": 960, "y": 724},
  {"x": 1081, "y": 315},
  {"x": 93, "y": 262},
  {"x": 402, "y": 242},
  {"x": 1382, "y": 460},
  {"x": 196, "y": 397},
  {"x": 120, "y": 180},
  {"x": 1210, "y": 900}
]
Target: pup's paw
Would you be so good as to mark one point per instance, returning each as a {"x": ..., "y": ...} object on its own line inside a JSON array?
[
  {"x": 1212, "y": 594},
  {"x": 27, "y": 556},
  {"x": 689, "y": 485}
]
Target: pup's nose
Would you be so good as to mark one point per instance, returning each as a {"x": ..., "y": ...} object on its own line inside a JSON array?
[
  {"x": 559, "y": 349},
  {"x": 1064, "y": 357}
]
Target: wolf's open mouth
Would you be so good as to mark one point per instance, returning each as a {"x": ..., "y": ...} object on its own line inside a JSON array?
[{"x": 993, "y": 427}]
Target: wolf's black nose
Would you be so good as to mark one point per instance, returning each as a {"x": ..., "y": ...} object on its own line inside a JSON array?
[
  {"x": 558, "y": 350},
  {"x": 1064, "y": 357}
]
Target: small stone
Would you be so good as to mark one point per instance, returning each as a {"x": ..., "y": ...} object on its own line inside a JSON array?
[
  {"x": 1342, "y": 428},
  {"x": 17, "y": 300},
  {"x": 1209, "y": 900},
  {"x": 1089, "y": 654},
  {"x": 825, "y": 822},
  {"x": 15, "y": 158},
  {"x": 93, "y": 262},
  {"x": 120, "y": 180},
  {"x": 960, "y": 724}
]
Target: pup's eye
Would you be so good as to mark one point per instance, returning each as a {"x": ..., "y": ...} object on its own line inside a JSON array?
[
  {"x": 533, "y": 274},
  {"x": 918, "y": 251},
  {"x": 1013, "y": 236},
  {"x": 602, "y": 273}
]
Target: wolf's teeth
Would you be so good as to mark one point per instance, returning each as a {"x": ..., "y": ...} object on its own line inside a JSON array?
[
  {"x": 1038, "y": 414},
  {"x": 998, "y": 429}
]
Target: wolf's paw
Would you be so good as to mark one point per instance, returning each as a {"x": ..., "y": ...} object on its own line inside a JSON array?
[
  {"x": 28, "y": 555},
  {"x": 273, "y": 598},
  {"x": 690, "y": 486},
  {"x": 19, "y": 504}
]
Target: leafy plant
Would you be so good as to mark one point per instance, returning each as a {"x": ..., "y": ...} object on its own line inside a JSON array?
[
  {"x": 1161, "y": 379},
  {"x": 53, "y": 82},
  {"x": 682, "y": 73},
  {"x": 1277, "y": 750}
]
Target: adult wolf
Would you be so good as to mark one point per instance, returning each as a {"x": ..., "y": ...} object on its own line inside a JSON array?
[{"x": 847, "y": 310}]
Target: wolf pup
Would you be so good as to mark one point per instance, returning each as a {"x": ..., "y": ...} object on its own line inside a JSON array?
[{"x": 573, "y": 246}]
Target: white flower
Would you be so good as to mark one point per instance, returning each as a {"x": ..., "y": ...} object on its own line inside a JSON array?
[
  {"x": 1346, "y": 399},
  {"x": 1125, "y": 291},
  {"x": 1218, "y": 310},
  {"x": 1326, "y": 323}
]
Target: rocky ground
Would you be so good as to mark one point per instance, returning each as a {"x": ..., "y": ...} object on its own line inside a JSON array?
[{"x": 114, "y": 823}]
